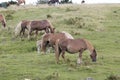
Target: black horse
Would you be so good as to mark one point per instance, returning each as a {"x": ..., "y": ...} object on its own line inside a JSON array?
[{"x": 53, "y": 2}]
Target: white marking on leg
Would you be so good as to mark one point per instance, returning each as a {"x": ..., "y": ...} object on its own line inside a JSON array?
[{"x": 79, "y": 61}]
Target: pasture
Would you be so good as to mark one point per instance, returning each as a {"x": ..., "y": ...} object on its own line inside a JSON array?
[{"x": 98, "y": 23}]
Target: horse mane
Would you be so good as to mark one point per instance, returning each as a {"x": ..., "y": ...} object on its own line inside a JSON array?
[
  {"x": 89, "y": 46},
  {"x": 51, "y": 26}
]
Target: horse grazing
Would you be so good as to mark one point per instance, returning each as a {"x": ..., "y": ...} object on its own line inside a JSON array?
[
  {"x": 48, "y": 41},
  {"x": 2, "y": 20},
  {"x": 51, "y": 39},
  {"x": 38, "y": 26},
  {"x": 34, "y": 26},
  {"x": 20, "y": 2},
  {"x": 73, "y": 46}
]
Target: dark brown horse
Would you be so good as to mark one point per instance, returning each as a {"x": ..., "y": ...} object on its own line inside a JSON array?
[
  {"x": 34, "y": 26},
  {"x": 73, "y": 46},
  {"x": 20, "y": 2},
  {"x": 2, "y": 20}
]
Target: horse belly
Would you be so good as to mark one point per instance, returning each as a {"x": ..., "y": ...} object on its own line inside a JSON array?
[{"x": 72, "y": 49}]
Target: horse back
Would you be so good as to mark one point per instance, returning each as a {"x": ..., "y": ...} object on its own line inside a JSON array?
[
  {"x": 42, "y": 24},
  {"x": 73, "y": 45},
  {"x": 53, "y": 37}
]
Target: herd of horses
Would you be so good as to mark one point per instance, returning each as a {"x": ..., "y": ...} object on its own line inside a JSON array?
[
  {"x": 6, "y": 4},
  {"x": 61, "y": 42},
  {"x": 18, "y": 2}
]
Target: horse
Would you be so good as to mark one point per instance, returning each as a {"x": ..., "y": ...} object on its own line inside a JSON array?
[
  {"x": 12, "y": 2},
  {"x": 51, "y": 39},
  {"x": 73, "y": 46},
  {"x": 20, "y": 2},
  {"x": 36, "y": 25},
  {"x": 53, "y": 2},
  {"x": 39, "y": 42},
  {"x": 2, "y": 20}
]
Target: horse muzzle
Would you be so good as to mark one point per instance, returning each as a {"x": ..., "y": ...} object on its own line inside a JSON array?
[{"x": 94, "y": 60}]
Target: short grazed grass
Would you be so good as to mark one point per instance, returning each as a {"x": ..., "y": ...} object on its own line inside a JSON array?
[{"x": 99, "y": 23}]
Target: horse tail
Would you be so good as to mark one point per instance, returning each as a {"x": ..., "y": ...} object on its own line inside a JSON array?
[
  {"x": 18, "y": 28},
  {"x": 51, "y": 27},
  {"x": 69, "y": 36},
  {"x": 89, "y": 46}
]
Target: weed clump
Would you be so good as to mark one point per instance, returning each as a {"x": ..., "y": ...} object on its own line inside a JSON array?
[
  {"x": 113, "y": 77},
  {"x": 53, "y": 76},
  {"x": 77, "y": 21}
]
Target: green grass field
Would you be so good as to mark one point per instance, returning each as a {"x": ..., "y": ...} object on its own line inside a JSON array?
[{"x": 99, "y": 23}]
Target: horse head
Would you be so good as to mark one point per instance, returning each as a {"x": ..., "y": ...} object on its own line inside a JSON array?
[
  {"x": 3, "y": 23},
  {"x": 93, "y": 55}
]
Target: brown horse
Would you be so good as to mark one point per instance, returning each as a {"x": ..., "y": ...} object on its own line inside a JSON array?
[
  {"x": 73, "y": 46},
  {"x": 20, "y": 2},
  {"x": 38, "y": 26},
  {"x": 2, "y": 20},
  {"x": 34, "y": 26},
  {"x": 51, "y": 39}
]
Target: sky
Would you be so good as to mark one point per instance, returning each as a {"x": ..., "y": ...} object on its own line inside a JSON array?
[{"x": 74, "y": 1}]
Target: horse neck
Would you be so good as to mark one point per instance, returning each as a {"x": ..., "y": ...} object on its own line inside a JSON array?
[
  {"x": 51, "y": 29},
  {"x": 3, "y": 23},
  {"x": 89, "y": 46}
]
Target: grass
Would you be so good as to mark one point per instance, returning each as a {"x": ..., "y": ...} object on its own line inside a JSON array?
[{"x": 99, "y": 23}]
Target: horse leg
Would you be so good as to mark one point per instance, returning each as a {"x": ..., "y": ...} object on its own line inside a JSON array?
[
  {"x": 79, "y": 61},
  {"x": 63, "y": 55},
  {"x": 36, "y": 34},
  {"x": 21, "y": 31},
  {"x": 29, "y": 34},
  {"x": 57, "y": 51},
  {"x": 47, "y": 30}
]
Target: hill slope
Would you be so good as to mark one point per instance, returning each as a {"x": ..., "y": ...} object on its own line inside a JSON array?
[{"x": 99, "y": 24}]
